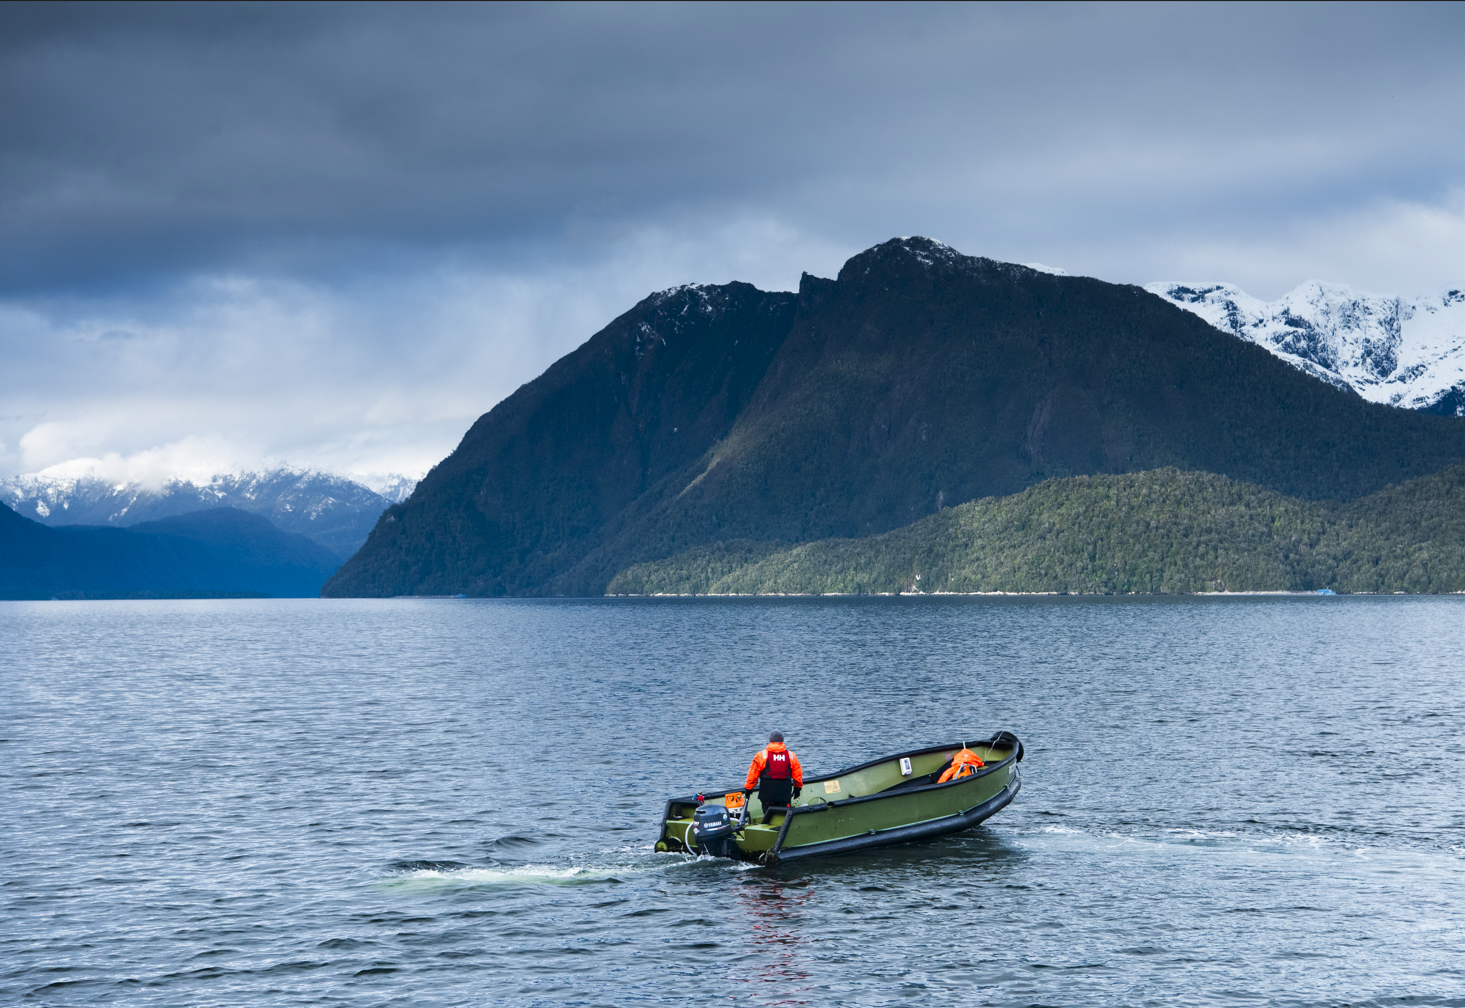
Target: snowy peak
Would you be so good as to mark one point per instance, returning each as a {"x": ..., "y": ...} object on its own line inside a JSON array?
[
  {"x": 663, "y": 318},
  {"x": 921, "y": 256},
  {"x": 334, "y": 511},
  {"x": 393, "y": 487},
  {"x": 929, "y": 251},
  {"x": 897, "y": 253},
  {"x": 1403, "y": 352}
]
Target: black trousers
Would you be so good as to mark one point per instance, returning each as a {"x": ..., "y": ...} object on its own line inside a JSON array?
[{"x": 775, "y": 792}]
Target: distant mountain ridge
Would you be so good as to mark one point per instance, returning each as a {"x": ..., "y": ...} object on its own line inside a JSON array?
[
  {"x": 1406, "y": 352},
  {"x": 220, "y": 551},
  {"x": 332, "y": 510},
  {"x": 918, "y": 379}
]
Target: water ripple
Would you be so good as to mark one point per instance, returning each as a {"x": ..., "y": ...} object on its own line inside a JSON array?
[{"x": 436, "y": 802}]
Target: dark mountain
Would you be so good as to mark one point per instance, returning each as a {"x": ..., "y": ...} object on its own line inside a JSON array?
[
  {"x": 279, "y": 563},
  {"x": 535, "y": 481},
  {"x": 222, "y": 551},
  {"x": 920, "y": 378}
]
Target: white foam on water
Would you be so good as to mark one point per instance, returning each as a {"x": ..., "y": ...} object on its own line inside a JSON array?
[
  {"x": 631, "y": 861},
  {"x": 1190, "y": 833},
  {"x": 1264, "y": 850},
  {"x": 532, "y": 874}
]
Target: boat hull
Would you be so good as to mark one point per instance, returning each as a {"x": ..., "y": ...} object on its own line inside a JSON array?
[
  {"x": 888, "y": 801},
  {"x": 909, "y": 833}
]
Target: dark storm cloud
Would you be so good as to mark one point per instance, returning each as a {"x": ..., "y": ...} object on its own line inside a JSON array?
[
  {"x": 140, "y": 142},
  {"x": 334, "y": 234}
]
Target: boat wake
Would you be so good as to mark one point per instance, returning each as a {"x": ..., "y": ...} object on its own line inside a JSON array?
[
  {"x": 1253, "y": 846},
  {"x": 601, "y": 868}
]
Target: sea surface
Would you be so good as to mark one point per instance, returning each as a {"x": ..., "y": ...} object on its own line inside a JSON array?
[{"x": 1226, "y": 801}]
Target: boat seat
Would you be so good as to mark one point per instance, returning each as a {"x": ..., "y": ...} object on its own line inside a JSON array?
[{"x": 912, "y": 782}]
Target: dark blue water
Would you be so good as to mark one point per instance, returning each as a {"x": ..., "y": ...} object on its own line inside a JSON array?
[{"x": 437, "y": 802}]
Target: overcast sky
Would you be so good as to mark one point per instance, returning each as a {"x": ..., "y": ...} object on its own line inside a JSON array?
[{"x": 333, "y": 235}]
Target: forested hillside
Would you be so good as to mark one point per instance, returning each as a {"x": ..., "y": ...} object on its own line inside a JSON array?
[{"x": 1164, "y": 531}]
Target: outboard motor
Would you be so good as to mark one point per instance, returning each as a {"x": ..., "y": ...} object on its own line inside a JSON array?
[{"x": 712, "y": 831}]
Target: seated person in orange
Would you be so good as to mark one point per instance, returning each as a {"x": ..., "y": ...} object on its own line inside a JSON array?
[
  {"x": 776, "y": 773},
  {"x": 963, "y": 764}
]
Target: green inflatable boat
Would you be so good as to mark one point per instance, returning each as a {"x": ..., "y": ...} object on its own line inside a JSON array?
[{"x": 886, "y": 801}]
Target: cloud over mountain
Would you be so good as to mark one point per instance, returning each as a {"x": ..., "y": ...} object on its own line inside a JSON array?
[{"x": 332, "y": 235}]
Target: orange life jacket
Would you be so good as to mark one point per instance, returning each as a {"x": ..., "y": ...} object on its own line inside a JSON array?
[
  {"x": 762, "y": 763},
  {"x": 963, "y": 764}
]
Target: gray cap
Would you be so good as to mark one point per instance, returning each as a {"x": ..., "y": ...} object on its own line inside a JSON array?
[{"x": 776, "y": 737}]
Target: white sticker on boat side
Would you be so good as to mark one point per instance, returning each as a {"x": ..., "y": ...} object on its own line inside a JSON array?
[{"x": 831, "y": 786}]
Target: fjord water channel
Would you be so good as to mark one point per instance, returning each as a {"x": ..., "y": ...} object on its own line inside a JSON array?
[{"x": 1226, "y": 801}]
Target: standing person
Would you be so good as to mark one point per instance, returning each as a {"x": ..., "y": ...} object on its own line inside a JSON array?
[{"x": 776, "y": 773}]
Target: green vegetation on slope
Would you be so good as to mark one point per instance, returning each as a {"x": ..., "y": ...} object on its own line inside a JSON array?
[{"x": 1163, "y": 531}]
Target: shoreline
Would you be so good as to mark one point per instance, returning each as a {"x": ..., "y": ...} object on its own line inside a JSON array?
[{"x": 1002, "y": 594}]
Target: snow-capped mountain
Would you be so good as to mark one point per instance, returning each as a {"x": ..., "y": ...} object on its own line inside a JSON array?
[
  {"x": 393, "y": 486},
  {"x": 1406, "y": 352},
  {"x": 335, "y": 511}
]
